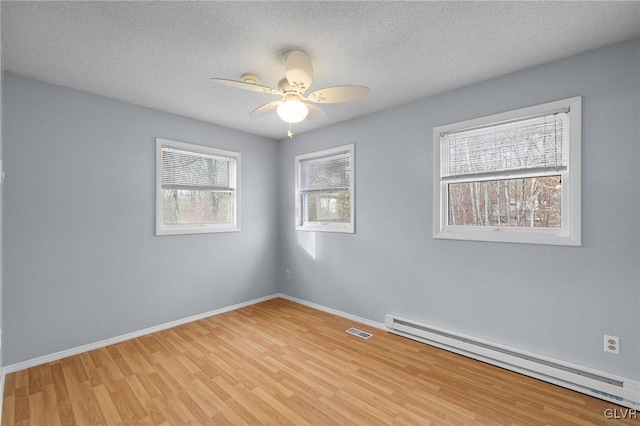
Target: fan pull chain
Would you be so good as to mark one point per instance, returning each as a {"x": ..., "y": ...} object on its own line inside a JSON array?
[{"x": 289, "y": 134}]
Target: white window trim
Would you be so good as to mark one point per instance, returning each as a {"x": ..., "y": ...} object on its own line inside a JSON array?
[
  {"x": 325, "y": 226},
  {"x": 173, "y": 229},
  {"x": 568, "y": 235}
]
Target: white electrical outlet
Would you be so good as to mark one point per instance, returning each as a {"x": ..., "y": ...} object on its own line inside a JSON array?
[
  {"x": 612, "y": 344},
  {"x": 287, "y": 274}
]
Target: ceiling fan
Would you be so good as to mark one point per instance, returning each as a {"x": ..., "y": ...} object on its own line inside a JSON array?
[{"x": 294, "y": 106}]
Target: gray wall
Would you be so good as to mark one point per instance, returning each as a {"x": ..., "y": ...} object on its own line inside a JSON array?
[
  {"x": 556, "y": 301},
  {"x": 82, "y": 263}
]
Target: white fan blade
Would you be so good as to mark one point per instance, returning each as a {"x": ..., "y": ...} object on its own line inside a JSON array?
[
  {"x": 299, "y": 70},
  {"x": 316, "y": 113},
  {"x": 247, "y": 86},
  {"x": 265, "y": 109},
  {"x": 332, "y": 95}
]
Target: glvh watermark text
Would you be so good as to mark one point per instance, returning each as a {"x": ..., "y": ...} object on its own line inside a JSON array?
[{"x": 621, "y": 413}]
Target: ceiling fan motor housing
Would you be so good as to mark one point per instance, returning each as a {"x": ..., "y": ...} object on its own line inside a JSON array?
[{"x": 285, "y": 87}]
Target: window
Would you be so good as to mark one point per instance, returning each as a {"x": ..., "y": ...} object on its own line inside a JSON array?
[
  {"x": 324, "y": 190},
  {"x": 511, "y": 177},
  {"x": 197, "y": 189}
]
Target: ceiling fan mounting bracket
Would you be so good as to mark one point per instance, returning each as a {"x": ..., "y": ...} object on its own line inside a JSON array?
[
  {"x": 250, "y": 78},
  {"x": 285, "y": 54}
]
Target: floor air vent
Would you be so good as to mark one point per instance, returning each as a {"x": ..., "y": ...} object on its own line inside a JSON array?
[{"x": 359, "y": 333}]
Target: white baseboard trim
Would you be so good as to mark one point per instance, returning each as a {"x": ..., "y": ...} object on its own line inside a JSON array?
[
  {"x": 335, "y": 312},
  {"x": 102, "y": 343}
]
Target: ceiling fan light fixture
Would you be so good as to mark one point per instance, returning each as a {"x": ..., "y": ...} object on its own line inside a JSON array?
[{"x": 292, "y": 111}]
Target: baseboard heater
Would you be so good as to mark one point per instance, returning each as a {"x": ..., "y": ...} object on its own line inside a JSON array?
[{"x": 609, "y": 387}]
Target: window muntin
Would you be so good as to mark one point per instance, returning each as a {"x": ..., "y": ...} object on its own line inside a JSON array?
[
  {"x": 324, "y": 190},
  {"x": 517, "y": 173},
  {"x": 196, "y": 189}
]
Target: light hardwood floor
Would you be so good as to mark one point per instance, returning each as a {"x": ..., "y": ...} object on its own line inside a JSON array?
[{"x": 279, "y": 362}]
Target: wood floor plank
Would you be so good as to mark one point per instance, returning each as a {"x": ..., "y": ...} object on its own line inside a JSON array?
[
  {"x": 50, "y": 400},
  {"x": 245, "y": 399},
  {"x": 171, "y": 410},
  {"x": 144, "y": 348},
  {"x": 282, "y": 409},
  {"x": 9, "y": 408},
  {"x": 230, "y": 411},
  {"x": 21, "y": 404},
  {"x": 126, "y": 402},
  {"x": 195, "y": 411},
  {"x": 165, "y": 389},
  {"x": 90, "y": 369},
  {"x": 201, "y": 395},
  {"x": 36, "y": 408},
  {"x": 107, "y": 406},
  {"x": 279, "y": 362},
  {"x": 65, "y": 415},
  {"x": 35, "y": 379}
]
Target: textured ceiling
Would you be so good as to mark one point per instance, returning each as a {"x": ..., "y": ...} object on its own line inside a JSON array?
[{"x": 162, "y": 54}]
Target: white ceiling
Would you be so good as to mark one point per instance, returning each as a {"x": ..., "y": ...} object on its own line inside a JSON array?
[{"x": 162, "y": 54}]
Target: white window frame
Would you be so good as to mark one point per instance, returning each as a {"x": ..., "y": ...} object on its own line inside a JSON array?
[
  {"x": 234, "y": 182},
  {"x": 570, "y": 232},
  {"x": 301, "y": 224}
]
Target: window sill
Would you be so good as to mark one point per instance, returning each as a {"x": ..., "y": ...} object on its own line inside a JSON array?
[
  {"x": 211, "y": 229},
  {"x": 522, "y": 236},
  {"x": 327, "y": 227}
]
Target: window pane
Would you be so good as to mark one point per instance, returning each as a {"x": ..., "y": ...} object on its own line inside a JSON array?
[
  {"x": 533, "y": 143},
  {"x": 333, "y": 172},
  {"x": 527, "y": 202},
  {"x": 332, "y": 206},
  {"x": 193, "y": 169},
  {"x": 197, "y": 207}
]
